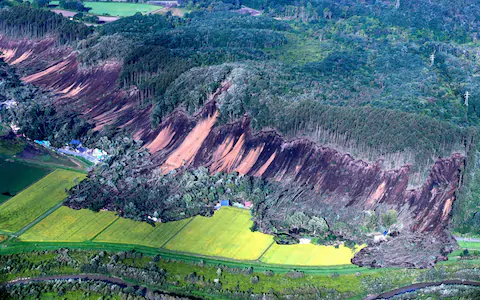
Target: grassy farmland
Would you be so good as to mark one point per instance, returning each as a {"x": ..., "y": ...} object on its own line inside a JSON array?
[
  {"x": 15, "y": 176},
  {"x": 126, "y": 231},
  {"x": 120, "y": 9},
  {"x": 226, "y": 234},
  {"x": 35, "y": 200},
  {"x": 469, "y": 245},
  {"x": 68, "y": 225},
  {"x": 308, "y": 255}
]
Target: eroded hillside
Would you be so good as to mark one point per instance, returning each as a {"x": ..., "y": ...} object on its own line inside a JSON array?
[{"x": 340, "y": 182}]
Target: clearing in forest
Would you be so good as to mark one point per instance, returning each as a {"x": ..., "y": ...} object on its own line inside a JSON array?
[
  {"x": 36, "y": 200},
  {"x": 69, "y": 225},
  {"x": 121, "y": 9},
  {"x": 226, "y": 234},
  {"x": 308, "y": 255},
  {"x": 126, "y": 231}
]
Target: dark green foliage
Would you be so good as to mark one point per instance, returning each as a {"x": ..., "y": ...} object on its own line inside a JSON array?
[{"x": 21, "y": 21}]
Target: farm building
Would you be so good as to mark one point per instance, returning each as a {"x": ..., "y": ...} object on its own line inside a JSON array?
[
  {"x": 248, "y": 204},
  {"x": 224, "y": 202}
]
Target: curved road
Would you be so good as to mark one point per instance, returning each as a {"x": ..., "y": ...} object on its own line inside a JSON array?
[{"x": 417, "y": 286}]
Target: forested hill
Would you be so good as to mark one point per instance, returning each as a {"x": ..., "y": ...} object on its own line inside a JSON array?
[{"x": 389, "y": 81}]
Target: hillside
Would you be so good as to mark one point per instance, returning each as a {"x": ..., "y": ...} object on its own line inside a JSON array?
[{"x": 346, "y": 111}]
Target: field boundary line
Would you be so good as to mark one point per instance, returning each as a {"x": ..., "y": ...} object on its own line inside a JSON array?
[
  {"x": 183, "y": 227},
  {"x": 51, "y": 171},
  {"x": 105, "y": 228},
  {"x": 37, "y": 220},
  {"x": 263, "y": 253}
]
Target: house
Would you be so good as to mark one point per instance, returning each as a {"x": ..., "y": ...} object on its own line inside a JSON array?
[
  {"x": 248, "y": 204},
  {"x": 224, "y": 202}
]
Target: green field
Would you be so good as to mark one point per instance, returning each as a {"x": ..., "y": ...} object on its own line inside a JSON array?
[
  {"x": 15, "y": 176},
  {"x": 68, "y": 225},
  {"x": 469, "y": 245},
  {"x": 308, "y": 255},
  {"x": 36, "y": 200},
  {"x": 226, "y": 234},
  {"x": 119, "y": 9},
  {"x": 126, "y": 231}
]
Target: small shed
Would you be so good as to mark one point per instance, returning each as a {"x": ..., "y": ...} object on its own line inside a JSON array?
[
  {"x": 248, "y": 204},
  {"x": 75, "y": 143},
  {"x": 224, "y": 202}
]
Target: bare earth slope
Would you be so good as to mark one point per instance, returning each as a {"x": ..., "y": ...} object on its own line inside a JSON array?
[{"x": 182, "y": 140}]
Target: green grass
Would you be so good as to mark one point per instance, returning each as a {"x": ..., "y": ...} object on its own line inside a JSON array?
[
  {"x": 15, "y": 176},
  {"x": 35, "y": 200},
  {"x": 226, "y": 234},
  {"x": 68, "y": 225},
  {"x": 469, "y": 245},
  {"x": 120, "y": 9},
  {"x": 308, "y": 255},
  {"x": 75, "y": 295},
  {"x": 126, "y": 231}
]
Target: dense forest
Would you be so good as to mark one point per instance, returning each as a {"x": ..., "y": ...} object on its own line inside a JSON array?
[{"x": 390, "y": 80}]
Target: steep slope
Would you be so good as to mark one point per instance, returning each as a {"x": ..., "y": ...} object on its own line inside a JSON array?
[{"x": 182, "y": 140}]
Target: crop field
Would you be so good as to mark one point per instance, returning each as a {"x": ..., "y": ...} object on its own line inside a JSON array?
[
  {"x": 36, "y": 200},
  {"x": 308, "y": 255},
  {"x": 226, "y": 234},
  {"x": 469, "y": 245},
  {"x": 69, "y": 225},
  {"x": 15, "y": 176},
  {"x": 120, "y": 9},
  {"x": 126, "y": 231}
]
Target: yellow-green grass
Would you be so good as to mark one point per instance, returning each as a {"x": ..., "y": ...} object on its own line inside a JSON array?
[
  {"x": 36, "y": 200},
  {"x": 308, "y": 255},
  {"x": 69, "y": 225},
  {"x": 227, "y": 234},
  {"x": 126, "y": 231},
  {"x": 2, "y": 237},
  {"x": 469, "y": 245}
]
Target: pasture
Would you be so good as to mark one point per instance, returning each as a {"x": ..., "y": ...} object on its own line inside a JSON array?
[
  {"x": 69, "y": 225},
  {"x": 308, "y": 255},
  {"x": 120, "y": 9},
  {"x": 15, "y": 176},
  {"x": 126, "y": 231},
  {"x": 36, "y": 200},
  {"x": 226, "y": 234},
  {"x": 469, "y": 245}
]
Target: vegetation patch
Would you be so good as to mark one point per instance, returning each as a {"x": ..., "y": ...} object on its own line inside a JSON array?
[
  {"x": 37, "y": 199},
  {"x": 226, "y": 234},
  {"x": 126, "y": 231},
  {"x": 120, "y": 9},
  {"x": 308, "y": 255},
  {"x": 3, "y": 237},
  {"x": 68, "y": 225},
  {"x": 15, "y": 176},
  {"x": 469, "y": 245}
]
